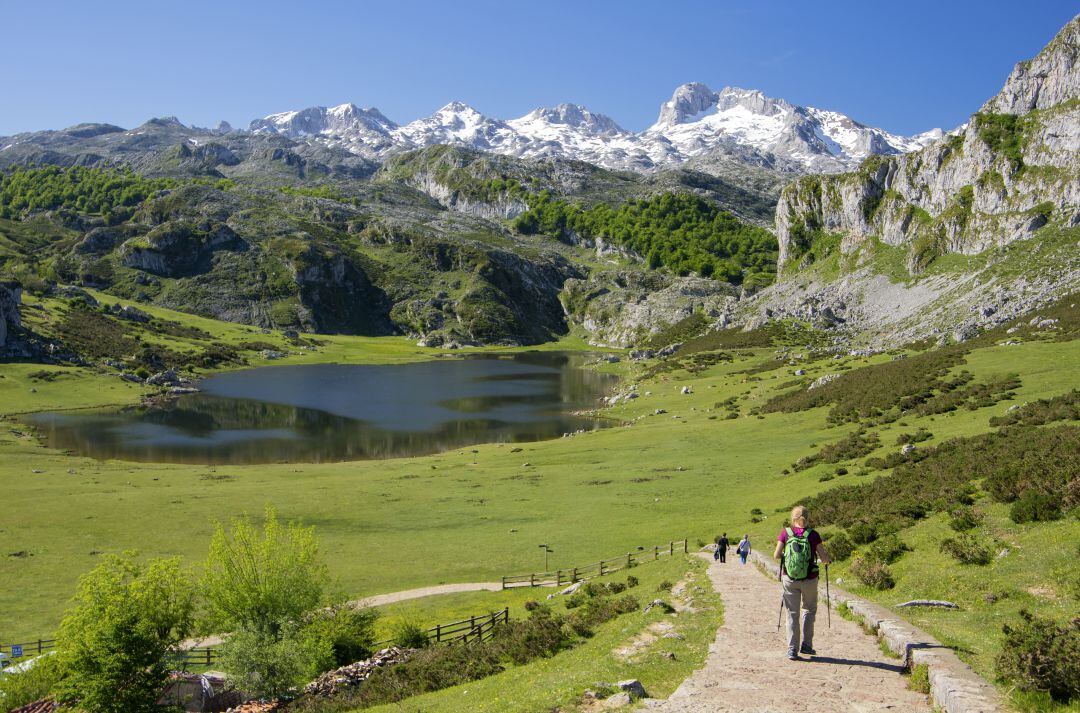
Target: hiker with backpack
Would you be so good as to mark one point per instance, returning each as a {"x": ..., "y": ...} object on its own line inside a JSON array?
[
  {"x": 743, "y": 550},
  {"x": 720, "y": 554},
  {"x": 800, "y": 550}
]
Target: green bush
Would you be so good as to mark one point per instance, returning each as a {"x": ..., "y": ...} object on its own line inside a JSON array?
[
  {"x": 963, "y": 518},
  {"x": 968, "y": 549},
  {"x": 872, "y": 572},
  {"x": 40, "y": 680},
  {"x": 268, "y": 664},
  {"x": 347, "y": 635},
  {"x": 632, "y": 581},
  {"x": 1035, "y": 506},
  {"x": 840, "y": 547},
  {"x": 664, "y": 586},
  {"x": 888, "y": 549},
  {"x": 410, "y": 635},
  {"x": 863, "y": 533},
  {"x": 1039, "y": 654}
]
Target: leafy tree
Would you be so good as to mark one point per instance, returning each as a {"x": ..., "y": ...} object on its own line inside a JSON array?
[
  {"x": 113, "y": 644},
  {"x": 262, "y": 580}
]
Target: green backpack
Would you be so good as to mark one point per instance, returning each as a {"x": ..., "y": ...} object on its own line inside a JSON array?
[{"x": 798, "y": 557}]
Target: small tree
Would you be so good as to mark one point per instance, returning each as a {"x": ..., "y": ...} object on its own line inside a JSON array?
[
  {"x": 259, "y": 586},
  {"x": 113, "y": 643},
  {"x": 261, "y": 581}
]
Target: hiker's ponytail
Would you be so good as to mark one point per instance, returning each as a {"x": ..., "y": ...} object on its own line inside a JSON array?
[{"x": 800, "y": 516}]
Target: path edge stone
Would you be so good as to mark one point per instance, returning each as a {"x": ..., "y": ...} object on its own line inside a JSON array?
[{"x": 954, "y": 686}]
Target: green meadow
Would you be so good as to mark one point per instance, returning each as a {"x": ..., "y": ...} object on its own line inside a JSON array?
[{"x": 477, "y": 513}]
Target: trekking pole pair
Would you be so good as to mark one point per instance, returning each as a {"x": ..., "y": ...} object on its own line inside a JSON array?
[{"x": 828, "y": 599}]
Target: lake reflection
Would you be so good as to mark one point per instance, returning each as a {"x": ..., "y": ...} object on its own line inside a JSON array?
[{"x": 333, "y": 412}]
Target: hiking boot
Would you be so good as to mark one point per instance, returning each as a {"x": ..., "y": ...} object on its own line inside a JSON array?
[
  {"x": 792, "y": 656},
  {"x": 808, "y": 650}
]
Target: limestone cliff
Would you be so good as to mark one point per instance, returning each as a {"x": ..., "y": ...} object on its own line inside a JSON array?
[{"x": 1013, "y": 168}]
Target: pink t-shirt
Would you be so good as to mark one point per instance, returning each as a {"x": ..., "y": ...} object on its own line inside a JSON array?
[{"x": 814, "y": 540}]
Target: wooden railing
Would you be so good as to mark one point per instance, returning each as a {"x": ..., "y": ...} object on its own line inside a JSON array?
[
  {"x": 559, "y": 577},
  {"x": 475, "y": 628}
]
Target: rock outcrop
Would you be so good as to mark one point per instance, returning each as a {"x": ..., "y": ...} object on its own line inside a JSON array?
[
  {"x": 625, "y": 308},
  {"x": 1008, "y": 172},
  {"x": 10, "y": 296}
]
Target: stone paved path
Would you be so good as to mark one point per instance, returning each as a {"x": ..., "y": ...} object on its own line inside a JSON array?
[{"x": 747, "y": 667}]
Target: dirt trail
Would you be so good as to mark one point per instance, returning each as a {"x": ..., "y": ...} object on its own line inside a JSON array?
[
  {"x": 381, "y": 600},
  {"x": 747, "y": 667}
]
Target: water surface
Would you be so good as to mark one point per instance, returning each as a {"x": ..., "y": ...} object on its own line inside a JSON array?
[{"x": 332, "y": 412}]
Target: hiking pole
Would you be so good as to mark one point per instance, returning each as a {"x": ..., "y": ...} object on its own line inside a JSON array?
[
  {"x": 828, "y": 599},
  {"x": 780, "y": 615}
]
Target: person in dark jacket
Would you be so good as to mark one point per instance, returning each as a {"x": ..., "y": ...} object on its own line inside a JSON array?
[{"x": 721, "y": 548}]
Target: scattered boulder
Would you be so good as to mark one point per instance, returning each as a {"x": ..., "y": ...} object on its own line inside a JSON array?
[
  {"x": 908, "y": 448},
  {"x": 164, "y": 378},
  {"x": 633, "y": 687},
  {"x": 940, "y": 603},
  {"x": 800, "y": 372},
  {"x": 641, "y": 354},
  {"x": 572, "y": 588},
  {"x": 271, "y": 354},
  {"x": 822, "y": 380},
  {"x": 686, "y": 390}
]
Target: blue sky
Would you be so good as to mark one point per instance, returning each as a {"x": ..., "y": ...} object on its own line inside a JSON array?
[{"x": 906, "y": 66}]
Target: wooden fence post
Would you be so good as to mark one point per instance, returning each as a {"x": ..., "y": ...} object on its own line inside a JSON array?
[
  {"x": 671, "y": 548},
  {"x": 438, "y": 633},
  {"x": 532, "y": 580},
  {"x": 629, "y": 562},
  {"x": 685, "y": 547},
  {"x": 601, "y": 568},
  {"x": 656, "y": 552},
  {"x": 504, "y": 582}
]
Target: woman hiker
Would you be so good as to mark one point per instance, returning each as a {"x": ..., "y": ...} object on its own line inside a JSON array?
[
  {"x": 743, "y": 550},
  {"x": 799, "y": 549}
]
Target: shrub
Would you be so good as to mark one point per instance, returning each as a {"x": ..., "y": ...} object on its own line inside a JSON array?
[
  {"x": 344, "y": 633},
  {"x": 1040, "y": 655},
  {"x": 410, "y": 635},
  {"x": 532, "y": 605},
  {"x": 616, "y": 587},
  {"x": 917, "y": 437},
  {"x": 862, "y": 533},
  {"x": 575, "y": 600},
  {"x": 841, "y": 471},
  {"x": 840, "y": 547},
  {"x": 664, "y": 586},
  {"x": 40, "y": 680},
  {"x": 963, "y": 518},
  {"x": 872, "y": 572},
  {"x": 968, "y": 549},
  {"x": 888, "y": 549},
  {"x": 1035, "y": 506},
  {"x": 632, "y": 581},
  {"x": 267, "y": 664}
]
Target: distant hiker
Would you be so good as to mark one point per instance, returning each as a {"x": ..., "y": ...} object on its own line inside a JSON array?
[
  {"x": 720, "y": 554},
  {"x": 743, "y": 550},
  {"x": 799, "y": 549}
]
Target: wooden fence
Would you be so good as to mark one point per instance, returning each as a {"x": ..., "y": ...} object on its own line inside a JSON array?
[
  {"x": 559, "y": 577},
  {"x": 471, "y": 630}
]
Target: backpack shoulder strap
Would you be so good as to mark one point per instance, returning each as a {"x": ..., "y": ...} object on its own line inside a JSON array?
[{"x": 790, "y": 532}]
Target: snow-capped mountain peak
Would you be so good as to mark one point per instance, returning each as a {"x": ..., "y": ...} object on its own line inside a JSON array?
[
  {"x": 695, "y": 122},
  {"x": 571, "y": 115}
]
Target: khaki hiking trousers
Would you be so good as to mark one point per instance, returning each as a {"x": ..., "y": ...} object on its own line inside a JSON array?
[{"x": 800, "y": 592}]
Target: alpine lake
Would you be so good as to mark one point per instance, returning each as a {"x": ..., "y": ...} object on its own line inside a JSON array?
[{"x": 339, "y": 412}]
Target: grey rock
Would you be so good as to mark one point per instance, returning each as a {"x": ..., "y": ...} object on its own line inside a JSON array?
[{"x": 632, "y": 686}]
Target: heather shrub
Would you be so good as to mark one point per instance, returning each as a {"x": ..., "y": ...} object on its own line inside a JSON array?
[
  {"x": 872, "y": 572},
  {"x": 968, "y": 549},
  {"x": 1041, "y": 655}
]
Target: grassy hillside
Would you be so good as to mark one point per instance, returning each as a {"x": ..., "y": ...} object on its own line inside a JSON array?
[{"x": 717, "y": 459}]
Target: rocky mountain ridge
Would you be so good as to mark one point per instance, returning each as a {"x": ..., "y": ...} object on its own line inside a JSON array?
[
  {"x": 1011, "y": 175},
  {"x": 693, "y": 123}
]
